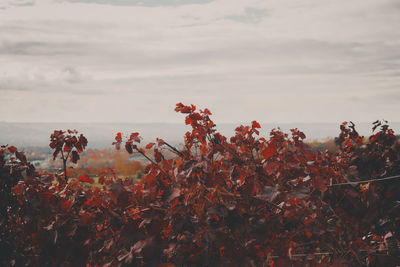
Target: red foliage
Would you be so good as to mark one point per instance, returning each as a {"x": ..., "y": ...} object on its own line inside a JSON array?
[
  {"x": 220, "y": 201},
  {"x": 85, "y": 178},
  {"x": 69, "y": 144}
]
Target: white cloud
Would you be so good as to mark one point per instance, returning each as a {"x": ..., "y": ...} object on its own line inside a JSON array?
[
  {"x": 280, "y": 61},
  {"x": 15, "y": 3}
]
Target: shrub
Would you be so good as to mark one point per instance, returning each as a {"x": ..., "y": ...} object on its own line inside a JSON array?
[{"x": 243, "y": 201}]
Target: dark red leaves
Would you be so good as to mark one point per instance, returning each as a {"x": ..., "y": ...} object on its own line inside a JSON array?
[
  {"x": 158, "y": 156},
  {"x": 83, "y": 141},
  {"x": 206, "y": 111},
  {"x": 160, "y": 142},
  {"x": 214, "y": 201},
  {"x": 134, "y": 137},
  {"x": 184, "y": 109},
  {"x": 74, "y": 156},
  {"x": 268, "y": 151},
  {"x": 118, "y": 141},
  {"x": 129, "y": 147},
  {"x": 271, "y": 167},
  {"x": 12, "y": 149},
  {"x": 66, "y": 204},
  {"x": 67, "y": 143}
]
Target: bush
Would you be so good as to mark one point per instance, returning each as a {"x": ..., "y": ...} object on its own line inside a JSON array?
[{"x": 243, "y": 201}]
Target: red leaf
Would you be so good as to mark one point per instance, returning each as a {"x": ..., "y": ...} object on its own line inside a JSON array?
[
  {"x": 308, "y": 234},
  {"x": 83, "y": 140},
  {"x": 74, "y": 156},
  {"x": 188, "y": 121},
  {"x": 102, "y": 172},
  {"x": 184, "y": 109},
  {"x": 160, "y": 142},
  {"x": 134, "y": 137},
  {"x": 12, "y": 149},
  {"x": 269, "y": 151},
  {"x": 128, "y": 147},
  {"x": 207, "y": 111},
  {"x": 85, "y": 178},
  {"x": 66, "y": 204},
  {"x": 66, "y": 148},
  {"x": 158, "y": 156},
  {"x": 271, "y": 167},
  {"x": 255, "y": 124},
  {"x": 149, "y": 145},
  {"x": 221, "y": 251}
]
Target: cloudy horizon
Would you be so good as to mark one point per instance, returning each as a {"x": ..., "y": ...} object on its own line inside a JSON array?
[{"x": 132, "y": 61}]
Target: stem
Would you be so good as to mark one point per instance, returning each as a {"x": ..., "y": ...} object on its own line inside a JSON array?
[
  {"x": 65, "y": 170},
  {"x": 144, "y": 155},
  {"x": 149, "y": 159},
  {"x": 64, "y": 166},
  {"x": 174, "y": 149}
]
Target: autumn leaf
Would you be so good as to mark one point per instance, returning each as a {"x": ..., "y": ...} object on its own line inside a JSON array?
[
  {"x": 134, "y": 137},
  {"x": 255, "y": 124},
  {"x": 85, "y": 178},
  {"x": 158, "y": 156},
  {"x": 268, "y": 152},
  {"x": 12, "y": 149},
  {"x": 149, "y": 145},
  {"x": 74, "y": 157},
  {"x": 128, "y": 147}
]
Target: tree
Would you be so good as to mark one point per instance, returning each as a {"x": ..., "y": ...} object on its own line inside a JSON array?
[{"x": 68, "y": 144}]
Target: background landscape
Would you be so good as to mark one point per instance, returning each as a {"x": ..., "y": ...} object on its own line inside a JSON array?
[{"x": 101, "y": 135}]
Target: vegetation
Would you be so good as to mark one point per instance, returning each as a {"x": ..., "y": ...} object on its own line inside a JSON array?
[
  {"x": 67, "y": 145},
  {"x": 242, "y": 201}
]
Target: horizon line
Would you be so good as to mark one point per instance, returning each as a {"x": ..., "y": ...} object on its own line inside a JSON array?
[{"x": 180, "y": 123}]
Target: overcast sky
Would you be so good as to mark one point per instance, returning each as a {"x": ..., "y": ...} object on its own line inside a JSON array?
[{"x": 132, "y": 61}]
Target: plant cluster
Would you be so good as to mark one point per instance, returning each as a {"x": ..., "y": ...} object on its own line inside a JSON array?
[
  {"x": 67, "y": 145},
  {"x": 242, "y": 201}
]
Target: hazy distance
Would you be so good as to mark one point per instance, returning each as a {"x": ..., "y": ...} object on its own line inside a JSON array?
[{"x": 101, "y": 135}]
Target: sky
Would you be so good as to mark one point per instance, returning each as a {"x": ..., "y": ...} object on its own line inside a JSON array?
[{"x": 132, "y": 60}]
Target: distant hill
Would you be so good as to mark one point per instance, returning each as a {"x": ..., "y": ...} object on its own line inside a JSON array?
[{"x": 101, "y": 135}]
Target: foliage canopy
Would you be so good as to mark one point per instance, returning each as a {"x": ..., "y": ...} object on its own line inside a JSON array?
[{"x": 239, "y": 201}]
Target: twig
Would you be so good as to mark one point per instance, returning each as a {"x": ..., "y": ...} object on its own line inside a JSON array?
[{"x": 174, "y": 149}]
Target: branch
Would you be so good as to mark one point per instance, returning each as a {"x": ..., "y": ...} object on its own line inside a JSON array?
[
  {"x": 149, "y": 159},
  {"x": 174, "y": 149}
]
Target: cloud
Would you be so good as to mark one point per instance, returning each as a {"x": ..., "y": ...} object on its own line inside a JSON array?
[
  {"x": 37, "y": 79},
  {"x": 385, "y": 98},
  {"x": 16, "y": 3},
  {"x": 38, "y": 48},
  {"x": 250, "y": 15},
  {"x": 151, "y": 3},
  {"x": 245, "y": 59}
]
